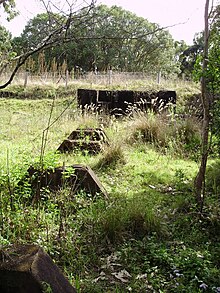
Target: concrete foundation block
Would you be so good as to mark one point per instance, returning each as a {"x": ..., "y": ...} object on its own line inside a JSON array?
[{"x": 28, "y": 269}]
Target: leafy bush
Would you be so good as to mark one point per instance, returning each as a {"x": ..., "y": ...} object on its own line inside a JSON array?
[{"x": 213, "y": 177}]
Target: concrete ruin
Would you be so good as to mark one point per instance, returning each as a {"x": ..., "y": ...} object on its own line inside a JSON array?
[
  {"x": 77, "y": 177},
  {"x": 90, "y": 140},
  {"x": 122, "y": 101},
  {"x": 27, "y": 268},
  {"x": 86, "y": 97}
]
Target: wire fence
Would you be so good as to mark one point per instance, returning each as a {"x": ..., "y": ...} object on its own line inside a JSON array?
[
  {"x": 103, "y": 78},
  {"x": 97, "y": 78}
]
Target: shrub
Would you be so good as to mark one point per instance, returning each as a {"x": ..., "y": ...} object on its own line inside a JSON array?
[{"x": 213, "y": 177}]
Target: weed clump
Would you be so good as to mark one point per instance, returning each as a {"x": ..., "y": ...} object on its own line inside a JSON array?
[
  {"x": 148, "y": 129},
  {"x": 112, "y": 155},
  {"x": 213, "y": 177},
  {"x": 127, "y": 218},
  {"x": 180, "y": 136}
]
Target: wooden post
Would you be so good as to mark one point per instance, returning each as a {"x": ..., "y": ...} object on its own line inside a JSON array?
[
  {"x": 25, "y": 79},
  {"x": 158, "y": 77},
  {"x": 110, "y": 77},
  {"x": 67, "y": 78}
]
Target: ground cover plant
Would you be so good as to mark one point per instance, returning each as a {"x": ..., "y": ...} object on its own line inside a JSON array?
[{"x": 148, "y": 235}]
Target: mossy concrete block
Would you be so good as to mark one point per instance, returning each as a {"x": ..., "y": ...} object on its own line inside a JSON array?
[
  {"x": 80, "y": 177},
  {"x": 28, "y": 269},
  {"x": 93, "y": 134},
  {"x": 91, "y": 147},
  {"x": 85, "y": 140}
]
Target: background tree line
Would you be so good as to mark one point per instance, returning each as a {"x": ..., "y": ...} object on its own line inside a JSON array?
[{"x": 100, "y": 39}]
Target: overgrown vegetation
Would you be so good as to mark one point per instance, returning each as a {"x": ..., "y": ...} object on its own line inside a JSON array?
[{"x": 148, "y": 236}]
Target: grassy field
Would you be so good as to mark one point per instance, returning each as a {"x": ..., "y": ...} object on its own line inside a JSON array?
[{"x": 148, "y": 236}]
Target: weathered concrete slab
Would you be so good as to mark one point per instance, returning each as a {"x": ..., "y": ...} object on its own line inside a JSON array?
[
  {"x": 79, "y": 177},
  {"x": 121, "y": 100},
  {"x": 86, "y": 140},
  {"x": 86, "y": 97},
  {"x": 88, "y": 180},
  {"x": 28, "y": 269},
  {"x": 90, "y": 147}
]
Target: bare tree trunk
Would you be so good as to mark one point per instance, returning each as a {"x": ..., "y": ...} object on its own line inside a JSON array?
[{"x": 199, "y": 183}]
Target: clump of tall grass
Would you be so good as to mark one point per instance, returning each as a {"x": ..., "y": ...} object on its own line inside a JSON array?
[
  {"x": 187, "y": 134},
  {"x": 92, "y": 116},
  {"x": 213, "y": 177},
  {"x": 129, "y": 217},
  {"x": 112, "y": 154},
  {"x": 181, "y": 135},
  {"x": 87, "y": 117},
  {"x": 148, "y": 128}
]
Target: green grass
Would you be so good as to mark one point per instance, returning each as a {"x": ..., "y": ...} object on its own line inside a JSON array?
[{"x": 148, "y": 235}]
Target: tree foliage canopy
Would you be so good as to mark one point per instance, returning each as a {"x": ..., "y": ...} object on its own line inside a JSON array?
[
  {"x": 6, "y": 52},
  {"x": 104, "y": 38},
  {"x": 9, "y": 8},
  {"x": 212, "y": 72}
]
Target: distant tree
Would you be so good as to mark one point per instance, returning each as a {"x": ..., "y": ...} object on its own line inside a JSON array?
[
  {"x": 189, "y": 55},
  {"x": 107, "y": 37},
  {"x": 37, "y": 30},
  {"x": 118, "y": 39},
  {"x": 6, "y": 52},
  {"x": 128, "y": 42}
]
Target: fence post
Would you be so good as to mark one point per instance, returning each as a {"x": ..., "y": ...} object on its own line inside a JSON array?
[
  {"x": 25, "y": 79},
  {"x": 67, "y": 78},
  {"x": 110, "y": 77},
  {"x": 159, "y": 77}
]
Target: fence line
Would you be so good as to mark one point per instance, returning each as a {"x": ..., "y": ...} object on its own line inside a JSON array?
[{"x": 102, "y": 78}]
